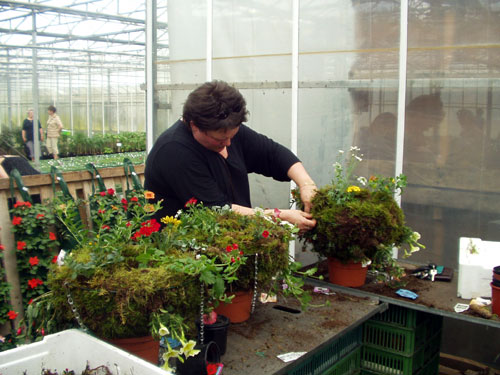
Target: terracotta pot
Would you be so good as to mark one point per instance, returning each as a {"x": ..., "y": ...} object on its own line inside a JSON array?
[
  {"x": 239, "y": 309},
  {"x": 216, "y": 332},
  {"x": 197, "y": 365},
  {"x": 495, "y": 299},
  {"x": 346, "y": 274},
  {"x": 143, "y": 347}
]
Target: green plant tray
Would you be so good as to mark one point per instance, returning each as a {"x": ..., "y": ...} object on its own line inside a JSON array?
[
  {"x": 325, "y": 358},
  {"x": 349, "y": 365}
]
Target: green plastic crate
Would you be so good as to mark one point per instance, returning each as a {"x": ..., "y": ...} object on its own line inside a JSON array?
[
  {"x": 393, "y": 338},
  {"x": 378, "y": 361},
  {"x": 432, "y": 347},
  {"x": 324, "y": 358},
  {"x": 402, "y": 316},
  {"x": 348, "y": 365}
]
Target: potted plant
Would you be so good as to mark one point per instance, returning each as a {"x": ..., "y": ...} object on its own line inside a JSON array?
[
  {"x": 358, "y": 222},
  {"x": 128, "y": 277}
]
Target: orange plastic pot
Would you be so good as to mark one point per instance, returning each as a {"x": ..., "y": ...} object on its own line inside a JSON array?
[
  {"x": 346, "y": 274},
  {"x": 495, "y": 299},
  {"x": 239, "y": 309},
  {"x": 143, "y": 347}
]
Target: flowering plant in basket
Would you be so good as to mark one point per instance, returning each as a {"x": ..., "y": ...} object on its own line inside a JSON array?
[
  {"x": 358, "y": 219},
  {"x": 127, "y": 276}
]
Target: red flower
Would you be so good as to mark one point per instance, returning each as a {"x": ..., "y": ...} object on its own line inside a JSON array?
[
  {"x": 30, "y": 301},
  {"x": 134, "y": 199},
  {"x": 21, "y": 245},
  {"x": 111, "y": 191},
  {"x": 17, "y": 220},
  {"x": 22, "y": 204},
  {"x": 124, "y": 201},
  {"x": 232, "y": 260},
  {"x": 229, "y": 248},
  {"x": 39, "y": 216},
  {"x": 128, "y": 224},
  {"x": 52, "y": 236},
  {"x": 241, "y": 252},
  {"x": 102, "y": 193},
  {"x": 34, "y": 261},
  {"x": 101, "y": 211},
  {"x": 33, "y": 283},
  {"x": 2, "y": 247},
  {"x": 190, "y": 202},
  {"x": 105, "y": 227},
  {"x": 212, "y": 368},
  {"x": 265, "y": 234},
  {"x": 54, "y": 259},
  {"x": 19, "y": 331},
  {"x": 235, "y": 246},
  {"x": 43, "y": 332},
  {"x": 12, "y": 314}
]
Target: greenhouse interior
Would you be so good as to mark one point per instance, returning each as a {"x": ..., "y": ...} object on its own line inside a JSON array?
[{"x": 409, "y": 91}]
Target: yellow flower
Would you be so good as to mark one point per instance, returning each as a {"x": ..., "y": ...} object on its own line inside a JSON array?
[
  {"x": 149, "y": 207},
  {"x": 188, "y": 349},
  {"x": 149, "y": 194},
  {"x": 170, "y": 220},
  {"x": 163, "y": 331},
  {"x": 354, "y": 189}
]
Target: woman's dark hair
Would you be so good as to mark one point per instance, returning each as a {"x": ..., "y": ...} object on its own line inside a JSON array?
[
  {"x": 51, "y": 108},
  {"x": 215, "y": 105}
]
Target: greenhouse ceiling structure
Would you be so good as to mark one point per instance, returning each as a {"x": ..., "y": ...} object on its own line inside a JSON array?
[{"x": 85, "y": 57}]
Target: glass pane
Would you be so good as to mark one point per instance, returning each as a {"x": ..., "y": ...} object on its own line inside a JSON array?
[{"x": 452, "y": 132}]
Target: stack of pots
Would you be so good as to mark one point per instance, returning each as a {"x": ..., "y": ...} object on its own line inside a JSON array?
[{"x": 495, "y": 291}]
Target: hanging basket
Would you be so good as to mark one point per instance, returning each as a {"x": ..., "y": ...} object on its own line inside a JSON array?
[{"x": 349, "y": 274}]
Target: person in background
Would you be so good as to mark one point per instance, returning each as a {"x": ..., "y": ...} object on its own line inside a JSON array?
[
  {"x": 28, "y": 134},
  {"x": 208, "y": 154},
  {"x": 54, "y": 128}
]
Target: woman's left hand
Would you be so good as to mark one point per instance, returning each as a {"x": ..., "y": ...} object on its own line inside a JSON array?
[{"x": 303, "y": 220}]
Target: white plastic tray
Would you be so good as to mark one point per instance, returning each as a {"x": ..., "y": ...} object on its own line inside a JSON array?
[{"x": 72, "y": 349}]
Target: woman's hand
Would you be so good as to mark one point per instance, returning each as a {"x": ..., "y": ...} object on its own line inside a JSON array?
[
  {"x": 307, "y": 192},
  {"x": 303, "y": 220}
]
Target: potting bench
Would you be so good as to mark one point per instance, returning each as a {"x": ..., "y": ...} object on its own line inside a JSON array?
[{"x": 330, "y": 335}]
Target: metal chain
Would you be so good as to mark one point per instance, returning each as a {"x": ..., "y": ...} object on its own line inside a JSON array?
[
  {"x": 74, "y": 310},
  {"x": 254, "y": 298},
  {"x": 202, "y": 324}
]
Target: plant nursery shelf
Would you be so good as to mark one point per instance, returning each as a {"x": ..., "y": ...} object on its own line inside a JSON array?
[{"x": 279, "y": 328}]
